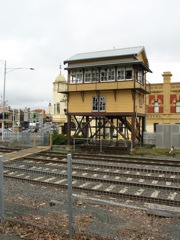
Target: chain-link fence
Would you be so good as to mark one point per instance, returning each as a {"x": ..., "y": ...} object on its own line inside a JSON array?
[
  {"x": 26, "y": 139},
  {"x": 126, "y": 200},
  {"x": 92, "y": 198}
]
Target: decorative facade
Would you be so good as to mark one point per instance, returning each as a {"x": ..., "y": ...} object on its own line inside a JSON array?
[{"x": 163, "y": 103}]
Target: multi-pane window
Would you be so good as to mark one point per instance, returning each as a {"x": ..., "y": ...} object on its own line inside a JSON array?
[
  {"x": 76, "y": 76},
  {"x": 54, "y": 108},
  {"x": 95, "y": 104},
  {"x": 99, "y": 104},
  {"x": 140, "y": 76},
  {"x": 128, "y": 74},
  {"x": 156, "y": 107},
  {"x": 95, "y": 75},
  {"x": 72, "y": 77},
  {"x": 103, "y": 75},
  {"x": 58, "y": 108},
  {"x": 120, "y": 74},
  {"x": 87, "y": 76},
  {"x": 178, "y": 107},
  {"x": 102, "y": 104},
  {"x": 110, "y": 74},
  {"x": 124, "y": 73},
  {"x": 79, "y": 77}
]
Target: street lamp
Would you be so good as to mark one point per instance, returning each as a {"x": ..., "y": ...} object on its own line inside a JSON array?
[{"x": 6, "y": 71}]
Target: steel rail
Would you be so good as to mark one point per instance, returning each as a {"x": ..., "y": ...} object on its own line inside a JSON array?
[
  {"x": 111, "y": 173},
  {"x": 119, "y": 195},
  {"x": 62, "y": 161},
  {"x": 117, "y": 158},
  {"x": 92, "y": 179}
]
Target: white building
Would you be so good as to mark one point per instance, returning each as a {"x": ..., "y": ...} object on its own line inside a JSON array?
[{"x": 59, "y": 101}]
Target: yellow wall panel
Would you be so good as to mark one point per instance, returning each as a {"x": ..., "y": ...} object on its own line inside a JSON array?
[{"x": 118, "y": 101}]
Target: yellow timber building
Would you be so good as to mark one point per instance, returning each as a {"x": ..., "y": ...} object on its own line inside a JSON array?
[{"x": 106, "y": 94}]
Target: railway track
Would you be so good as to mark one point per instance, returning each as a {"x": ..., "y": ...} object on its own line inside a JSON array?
[
  {"x": 114, "y": 158},
  {"x": 121, "y": 180},
  {"x": 8, "y": 149}
]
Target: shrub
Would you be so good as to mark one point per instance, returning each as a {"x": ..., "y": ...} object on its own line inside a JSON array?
[{"x": 59, "y": 139}]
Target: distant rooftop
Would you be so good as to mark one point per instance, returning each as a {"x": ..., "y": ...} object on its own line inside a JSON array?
[{"x": 106, "y": 54}]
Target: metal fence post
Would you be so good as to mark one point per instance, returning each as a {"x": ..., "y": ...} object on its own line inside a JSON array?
[
  {"x": 69, "y": 160},
  {"x": 50, "y": 140},
  {"x": 100, "y": 145},
  {"x": 34, "y": 140},
  {"x": 1, "y": 190},
  {"x": 74, "y": 144}
]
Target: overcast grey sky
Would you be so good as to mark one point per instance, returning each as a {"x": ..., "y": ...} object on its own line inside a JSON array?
[{"x": 44, "y": 33}]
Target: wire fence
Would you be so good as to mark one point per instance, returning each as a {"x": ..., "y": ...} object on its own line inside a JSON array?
[
  {"x": 102, "y": 145},
  {"x": 93, "y": 199},
  {"x": 26, "y": 139},
  {"x": 126, "y": 201}
]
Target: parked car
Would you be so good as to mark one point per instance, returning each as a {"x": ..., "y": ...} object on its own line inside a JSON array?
[
  {"x": 54, "y": 129},
  {"x": 33, "y": 129}
]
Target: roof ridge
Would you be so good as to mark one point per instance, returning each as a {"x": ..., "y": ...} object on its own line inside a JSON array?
[{"x": 110, "y": 50}]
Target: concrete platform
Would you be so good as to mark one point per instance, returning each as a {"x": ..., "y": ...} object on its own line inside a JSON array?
[{"x": 23, "y": 153}]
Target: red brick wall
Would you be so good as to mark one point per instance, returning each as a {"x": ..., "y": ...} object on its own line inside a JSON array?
[
  {"x": 151, "y": 98},
  {"x": 172, "y": 103},
  {"x": 150, "y": 107},
  {"x": 161, "y": 98}
]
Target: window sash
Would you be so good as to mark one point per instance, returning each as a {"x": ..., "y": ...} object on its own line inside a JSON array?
[
  {"x": 103, "y": 75},
  {"x": 156, "y": 107},
  {"x": 95, "y": 76},
  {"x": 99, "y": 104},
  {"x": 58, "y": 108},
  {"x": 95, "y": 104},
  {"x": 177, "y": 107},
  {"x": 124, "y": 74},
  {"x": 111, "y": 75},
  {"x": 102, "y": 104},
  {"x": 87, "y": 77},
  {"x": 76, "y": 77}
]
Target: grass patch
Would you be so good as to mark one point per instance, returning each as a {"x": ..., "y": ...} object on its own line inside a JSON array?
[{"x": 146, "y": 150}]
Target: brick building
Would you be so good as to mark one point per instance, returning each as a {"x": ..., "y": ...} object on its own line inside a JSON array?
[{"x": 163, "y": 103}]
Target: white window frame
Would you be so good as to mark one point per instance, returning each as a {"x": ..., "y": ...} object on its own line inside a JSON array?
[
  {"x": 177, "y": 107},
  {"x": 120, "y": 74},
  {"x": 140, "y": 76},
  {"x": 126, "y": 70},
  {"x": 156, "y": 107},
  {"x": 95, "y": 75},
  {"x": 95, "y": 104},
  {"x": 79, "y": 76},
  {"x": 87, "y": 76},
  {"x": 111, "y": 75},
  {"x": 99, "y": 104},
  {"x": 76, "y": 77},
  {"x": 73, "y": 77},
  {"x": 103, "y": 75}
]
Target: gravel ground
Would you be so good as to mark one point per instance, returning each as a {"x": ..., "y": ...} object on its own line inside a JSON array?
[{"x": 40, "y": 213}]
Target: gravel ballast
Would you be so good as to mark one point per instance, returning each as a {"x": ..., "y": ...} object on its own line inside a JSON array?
[{"x": 30, "y": 214}]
